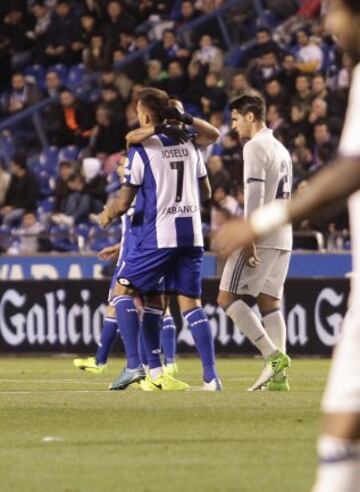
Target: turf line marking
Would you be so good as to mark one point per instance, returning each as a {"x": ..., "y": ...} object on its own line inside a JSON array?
[
  {"x": 54, "y": 391},
  {"x": 55, "y": 381}
]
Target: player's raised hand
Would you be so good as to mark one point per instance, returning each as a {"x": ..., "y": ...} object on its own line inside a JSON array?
[
  {"x": 234, "y": 234},
  {"x": 109, "y": 253},
  {"x": 173, "y": 113},
  {"x": 178, "y": 134}
]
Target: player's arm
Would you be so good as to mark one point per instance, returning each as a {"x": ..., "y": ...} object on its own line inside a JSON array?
[
  {"x": 205, "y": 189},
  {"x": 110, "y": 252},
  {"x": 206, "y": 133},
  {"x": 138, "y": 136},
  {"x": 119, "y": 205}
]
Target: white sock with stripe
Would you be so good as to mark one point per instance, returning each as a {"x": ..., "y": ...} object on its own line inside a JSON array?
[
  {"x": 247, "y": 321},
  {"x": 339, "y": 465}
]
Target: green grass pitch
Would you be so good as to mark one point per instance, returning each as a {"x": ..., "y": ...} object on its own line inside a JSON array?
[{"x": 106, "y": 441}]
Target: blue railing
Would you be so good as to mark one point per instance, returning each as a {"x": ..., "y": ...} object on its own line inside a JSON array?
[{"x": 34, "y": 112}]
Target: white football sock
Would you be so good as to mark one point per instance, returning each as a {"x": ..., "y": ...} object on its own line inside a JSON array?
[
  {"x": 156, "y": 372},
  {"x": 247, "y": 321},
  {"x": 339, "y": 467},
  {"x": 275, "y": 327}
]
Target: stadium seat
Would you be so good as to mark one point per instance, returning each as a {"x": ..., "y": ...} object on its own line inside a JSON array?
[
  {"x": 37, "y": 72},
  {"x": 68, "y": 153},
  {"x": 49, "y": 158},
  {"x": 61, "y": 70},
  {"x": 75, "y": 76}
]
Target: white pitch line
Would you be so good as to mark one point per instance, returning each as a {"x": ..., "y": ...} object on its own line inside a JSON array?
[
  {"x": 56, "y": 381},
  {"x": 48, "y": 392}
]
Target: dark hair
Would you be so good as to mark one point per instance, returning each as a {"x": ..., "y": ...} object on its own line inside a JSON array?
[
  {"x": 155, "y": 101},
  {"x": 250, "y": 103},
  {"x": 352, "y": 5},
  {"x": 20, "y": 160},
  {"x": 321, "y": 122},
  {"x": 263, "y": 29}
]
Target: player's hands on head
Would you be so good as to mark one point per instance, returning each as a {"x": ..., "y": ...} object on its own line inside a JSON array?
[
  {"x": 109, "y": 253},
  {"x": 178, "y": 134},
  {"x": 234, "y": 234},
  {"x": 172, "y": 113}
]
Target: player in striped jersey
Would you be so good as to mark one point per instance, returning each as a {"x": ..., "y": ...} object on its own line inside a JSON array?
[{"x": 166, "y": 178}]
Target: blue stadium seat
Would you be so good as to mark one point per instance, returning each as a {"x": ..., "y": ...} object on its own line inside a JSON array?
[
  {"x": 49, "y": 158},
  {"x": 61, "y": 70},
  {"x": 37, "y": 72},
  {"x": 75, "y": 76},
  {"x": 61, "y": 239},
  {"x": 68, "y": 153}
]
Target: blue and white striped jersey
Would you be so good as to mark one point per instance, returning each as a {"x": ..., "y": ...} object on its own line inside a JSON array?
[{"x": 167, "y": 212}]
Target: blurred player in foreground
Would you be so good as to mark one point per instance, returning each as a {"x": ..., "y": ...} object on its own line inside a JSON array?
[
  {"x": 339, "y": 443},
  {"x": 169, "y": 180},
  {"x": 256, "y": 274}
]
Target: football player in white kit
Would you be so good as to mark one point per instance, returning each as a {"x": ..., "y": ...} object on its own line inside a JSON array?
[
  {"x": 339, "y": 443},
  {"x": 257, "y": 273}
]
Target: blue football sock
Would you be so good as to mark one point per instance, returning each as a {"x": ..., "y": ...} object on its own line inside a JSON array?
[
  {"x": 201, "y": 332},
  {"x": 168, "y": 339},
  {"x": 151, "y": 327},
  {"x": 108, "y": 335},
  {"x": 142, "y": 349},
  {"x": 129, "y": 327}
]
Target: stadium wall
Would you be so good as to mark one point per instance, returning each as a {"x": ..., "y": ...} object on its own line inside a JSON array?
[{"x": 65, "y": 316}]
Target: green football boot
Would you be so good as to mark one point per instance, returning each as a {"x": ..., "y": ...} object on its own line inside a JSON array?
[
  {"x": 278, "y": 384},
  {"x": 273, "y": 365},
  {"x": 90, "y": 365},
  {"x": 171, "y": 369},
  {"x": 164, "y": 382}
]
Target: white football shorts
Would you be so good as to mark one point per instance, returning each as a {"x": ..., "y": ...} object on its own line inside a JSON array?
[
  {"x": 342, "y": 393},
  {"x": 268, "y": 277}
]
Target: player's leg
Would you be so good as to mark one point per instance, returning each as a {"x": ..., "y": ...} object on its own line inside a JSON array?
[
  {"x": 339, "y": 443},
  {"x": 168, "y": 342},
  {"x": 97, "y": 364},
  {"x": 129, "y": 327},
  {"x": 187, "y": 283},
  {"x": 238, "y": 303},
  {"x": 269, "y": 302}
]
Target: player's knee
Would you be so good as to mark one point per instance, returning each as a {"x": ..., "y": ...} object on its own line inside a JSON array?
[
  {"x": 110, "y": 311},
  {"x": 225, "y": 299},
  {"x": 155, "y": 302},
  {"x": 267, "y": 303}
]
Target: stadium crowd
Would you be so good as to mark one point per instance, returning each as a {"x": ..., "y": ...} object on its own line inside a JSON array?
[{"x": 73, "y": 53}]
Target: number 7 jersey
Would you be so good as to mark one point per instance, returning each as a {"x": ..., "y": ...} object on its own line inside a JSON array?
[
  {"x": 168, "y": 199},
  {"x": 267, "y": 177}
]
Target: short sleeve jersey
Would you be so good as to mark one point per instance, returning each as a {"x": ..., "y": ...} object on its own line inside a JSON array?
[{"x": 167, "y": 176}]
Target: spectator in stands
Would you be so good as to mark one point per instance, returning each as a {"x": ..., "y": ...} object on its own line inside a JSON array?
[
  {"x": 22, "y": 192},
  {"x": 275, "y": 93},
  {"x": 342, "y": 80},
  {"x": 188, "y": 13},
  {"x": 4, "y": 183},
  {"x": 302, "y": 159},
  {"x": 176, "y": 82},
  {"x": 217, "y": 174},
  {"x": 208, "y": 54},
  {"x": 131, "y": 113},
  {"x": 62, "y": 190},
  {"x": 322, "y": 137},
  {"x": 267, "y": 67},
  {"x": 53, "y": 84},
  {"x": 26, "y": 238},
  {"x": 217, "y": 119},
  {"x": 288, "y": 73},
  {"x": 108, "y": 135},
  {"x": 14, "y": 27},
  {"x": 96, "y": 56},
  {"x": 95, "y": 184},
  {"x": 319, "y": 88},
  {"x": 232, "y": 157},
  {"x": 155, "y": 74},
  {"x": 274, "y": 117},
  {"x": 21, "y": 95},
  {"x": 239, "y": 84},
  {"x": 214, "y": 98},
  {"x": 303, "y": 92},
  {"x": 114, "y": 102},
  {"x": 76, "y": 207},
  {"x": 82, "y": 38},
  {"x": 196, "y": 79},
  {"x": 309, "y": 56},
  {"x": 42, "y": 15},
  {"x": 299, "y": 124},
  {"x": 61, "y": 34},
  {"x": 169, "y": 49},
  {"x": 118, "y": 20},
  {"x": 263, "y": 44},
  {"x": 76, "y": 120}
]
